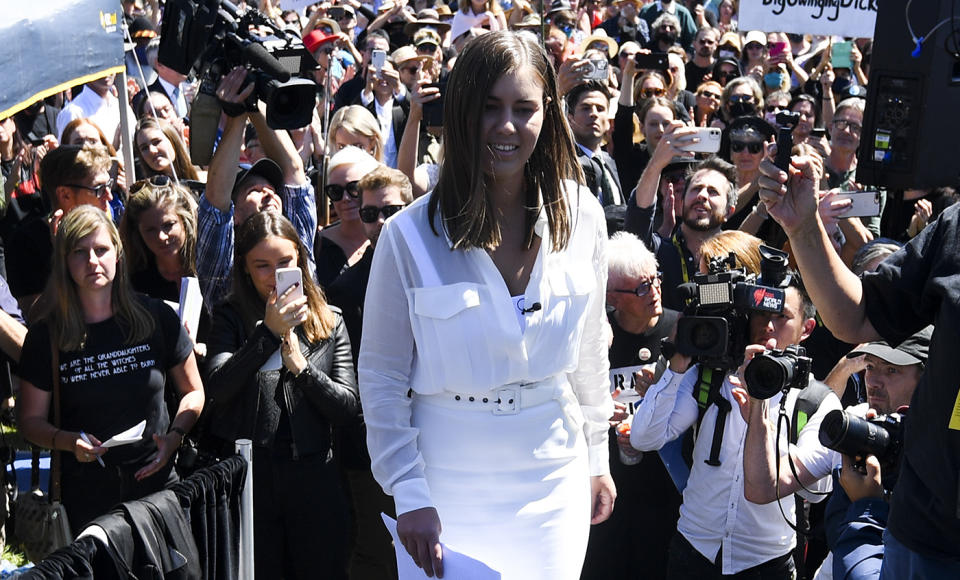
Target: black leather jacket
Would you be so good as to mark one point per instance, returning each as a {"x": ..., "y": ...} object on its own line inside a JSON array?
[{"x": 323, "y": 395}]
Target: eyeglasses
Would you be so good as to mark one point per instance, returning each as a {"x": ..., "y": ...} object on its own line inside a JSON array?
[
  {"x": 644, "y": 288},
  {"x": 370, "y": 213},
  {"x": 753, "y": 147},
  {"x": 741, "y": 98},
  {"x": 652, "y": 92},
  {"x": 335, "y": 192},
  {"x": 842, "y": 124},
  {"x": 100, "y": 191},
  {"x": 709, "y": 95},
  {"x": 155, "y": 181}
]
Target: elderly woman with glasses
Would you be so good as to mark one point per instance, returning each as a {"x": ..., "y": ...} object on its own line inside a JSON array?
[{"x": 111, "y": 352}]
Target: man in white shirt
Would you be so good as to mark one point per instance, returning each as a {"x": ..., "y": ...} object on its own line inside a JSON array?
[
  {"x": 720, "y": 533},
  {"x": 95, "y": 102}
]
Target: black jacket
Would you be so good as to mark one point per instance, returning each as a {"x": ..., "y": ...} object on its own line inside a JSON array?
[{"x": 239, "y": 392}]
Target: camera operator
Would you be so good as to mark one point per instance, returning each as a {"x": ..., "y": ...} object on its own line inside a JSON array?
[
  {"x": 722, "y": 534},
  {"x": 856, "y": 513},
  {"x": 914, "y": 287}
]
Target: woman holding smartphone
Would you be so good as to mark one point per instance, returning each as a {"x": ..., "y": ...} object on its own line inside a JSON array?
[
  {"x": 280, "y": 372},
  {"x": 483, "y": 369}
]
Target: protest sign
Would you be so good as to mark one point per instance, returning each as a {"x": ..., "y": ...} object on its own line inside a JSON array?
[{"x": 851, "y": 18}]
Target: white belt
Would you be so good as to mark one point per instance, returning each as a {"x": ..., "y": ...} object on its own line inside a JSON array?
[{"x": 507, "y": 400}]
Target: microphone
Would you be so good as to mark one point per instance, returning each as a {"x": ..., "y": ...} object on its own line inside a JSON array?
[
  {"x": 533, "y": 308},
  {"x": 258, "y": 56}
]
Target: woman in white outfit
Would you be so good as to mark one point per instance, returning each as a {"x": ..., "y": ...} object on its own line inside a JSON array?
[{"x": 483, "y": 368}]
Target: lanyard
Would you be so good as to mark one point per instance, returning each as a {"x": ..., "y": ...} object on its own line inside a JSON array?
[{"x": 683, "y": 257}]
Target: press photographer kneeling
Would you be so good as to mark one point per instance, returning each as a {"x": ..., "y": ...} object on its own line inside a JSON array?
[{"x": 720, "y": 533}]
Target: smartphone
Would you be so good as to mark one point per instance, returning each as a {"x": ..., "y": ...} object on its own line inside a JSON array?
[
  {"x": 287, "y": 277},
  {"x": 818, "y": 132},
  {"x": 335, "y": 13},
  {"x": 653, "y": 61},
  {"x": 709, "y": 140},
  {"x": 840, "y": 54},
  {"x": 433, "y": 111},
  {"x": 863, "y": 203},
  {"x": 777, "y": 48},
  {"x": 377, "y": 59}
]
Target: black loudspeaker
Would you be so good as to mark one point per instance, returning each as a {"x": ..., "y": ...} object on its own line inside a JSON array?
[{"x": 912, "y": 126}]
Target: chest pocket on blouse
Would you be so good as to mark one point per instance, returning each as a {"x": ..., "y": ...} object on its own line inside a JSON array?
[
  {"x": 447, "y": 320},
  {"x": 571, "y": 288}
]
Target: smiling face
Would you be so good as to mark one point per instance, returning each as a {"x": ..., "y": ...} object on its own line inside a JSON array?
[
  {"x": 262, "y": 261},
  {"x": 705, "y": 201},
  {"x": 93, "y": 262},
  {"x": 511, "y": 123},
  {"x": 256, "y": 195},
  {"x": 156, "y": 150},
  {"x": 890, "y": 386},
  {"x": 162, "y": 231}
]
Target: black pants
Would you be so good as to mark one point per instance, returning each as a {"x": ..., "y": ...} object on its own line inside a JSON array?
[
  {"x": 89, "y": 491},
  {"x": 687, "y": 563},
  {"x": 299, "y": 517}
]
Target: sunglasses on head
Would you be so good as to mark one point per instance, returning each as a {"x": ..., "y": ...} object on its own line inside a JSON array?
[
  {"x": 155, "y": 181},
  {"x": 370, "y": 213},
  {"x": 335, "y": 192},
  {"x": 753, "y": 147}
]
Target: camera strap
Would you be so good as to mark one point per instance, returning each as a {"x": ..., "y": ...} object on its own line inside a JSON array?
[{"x": 707, "y": 392}]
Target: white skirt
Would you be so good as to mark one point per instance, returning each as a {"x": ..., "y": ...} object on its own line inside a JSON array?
[{"x": 512, "y": 491}]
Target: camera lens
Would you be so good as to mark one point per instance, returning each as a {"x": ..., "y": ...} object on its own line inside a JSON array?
[
  {"x": 851, "y": 435},
  {"x": 705, "y": 335},
  {"x": 768, "y": 374}
]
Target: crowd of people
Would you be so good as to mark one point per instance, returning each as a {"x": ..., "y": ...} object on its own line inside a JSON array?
[{"x": 497, "y": 211}]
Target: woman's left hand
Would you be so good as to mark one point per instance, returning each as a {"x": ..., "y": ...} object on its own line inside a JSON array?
[
  {"x": 166, "y": 446},
  {"x": 293, "y": 359},
  {"x": 604, "y": 494}
]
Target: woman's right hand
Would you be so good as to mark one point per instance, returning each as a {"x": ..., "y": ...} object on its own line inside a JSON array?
[
  {"x": 282, "y": 313},
  {"x": 419, "y": 532},
  {"x": 677, "y": 133},
  {"x": 87, "y": 452}
]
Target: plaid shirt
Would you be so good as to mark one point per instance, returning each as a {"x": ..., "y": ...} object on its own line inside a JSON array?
[{"x": 215, "y": 238}]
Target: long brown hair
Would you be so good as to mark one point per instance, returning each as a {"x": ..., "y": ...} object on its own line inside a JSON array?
[
  {"x": 181, "y": 163},
  {"x": 244, "y": 296},
  {"x": 60, "y": 305},
  {"x": 170, "y": 196},
  {"x": 460, "y": 195}
]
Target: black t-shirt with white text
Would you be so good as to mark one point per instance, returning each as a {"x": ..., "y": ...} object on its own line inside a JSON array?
[{"x": 110, "y": 386}]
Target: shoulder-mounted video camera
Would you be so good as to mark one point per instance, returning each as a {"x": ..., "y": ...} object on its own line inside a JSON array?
[{"x": 715, "y": 328}]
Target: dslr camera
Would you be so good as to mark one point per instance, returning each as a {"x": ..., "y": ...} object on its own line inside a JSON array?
[
  {"x": 715, "y": 328},
  {"x": 855, "y": 436},
  {"x": 774, "y": 371}
]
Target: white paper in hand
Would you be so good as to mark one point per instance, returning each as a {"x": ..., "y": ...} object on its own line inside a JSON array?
[
  {"x": 456, "y": 566},
  {"x": 131, "y": 435}
]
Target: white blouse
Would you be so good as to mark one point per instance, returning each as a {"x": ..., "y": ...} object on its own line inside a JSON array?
[{"x": 441, "y": 320}]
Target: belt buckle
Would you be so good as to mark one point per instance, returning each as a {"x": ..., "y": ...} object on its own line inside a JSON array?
[{"x": 508, "y": 401}]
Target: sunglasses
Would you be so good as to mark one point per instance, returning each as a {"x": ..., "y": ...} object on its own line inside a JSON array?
[
  {"x": 427, "y": 47},
  {"x": 741, "y": 98},
  {"x": 644, "y": 288},
  {"x": 842, "y": 124},
  {"x": 773, "y": 108},
  {"x": 335, "y": 192},
  {"x": 753, "y": 147},
  {"x": 647, "y": 93},
  {"x": 155, "y": 181},
  {"x": 100, "y": 191},
  {"x": 709, "y": 95},
  {"x": 728, "y": 74},
  {"x": 370, "y": 213}
]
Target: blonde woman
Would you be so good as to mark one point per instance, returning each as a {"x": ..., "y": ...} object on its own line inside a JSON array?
[
  {"x": 355, "y": 125},
  {"x": 115, "y": 350}
]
